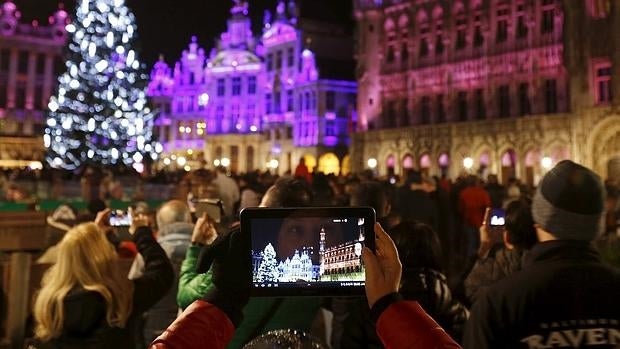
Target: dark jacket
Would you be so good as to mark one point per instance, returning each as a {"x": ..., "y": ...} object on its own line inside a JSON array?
[
  {"x": 174, "y": 239},
  {"x": 427, "y": 287},
  {"x": 416, "y": 205},
  {"x": 85, "y": 311},
  {"x": 500, "y": 263},
  {"x": 401, "y": 325},
  {"x": 563, "y": 298}
]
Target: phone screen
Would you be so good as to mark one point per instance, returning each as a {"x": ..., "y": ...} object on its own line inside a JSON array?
[
  {"x": 120, "y": 218},
  {"x": 497, "y": 218}
]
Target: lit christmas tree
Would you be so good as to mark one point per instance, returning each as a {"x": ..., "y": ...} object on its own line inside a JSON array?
[
  {"x": 268, "y": 268},
  {"x": 99, "y": 115}
]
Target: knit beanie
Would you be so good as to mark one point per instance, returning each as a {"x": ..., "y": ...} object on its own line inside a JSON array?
[{"x": 569, "y": 202}]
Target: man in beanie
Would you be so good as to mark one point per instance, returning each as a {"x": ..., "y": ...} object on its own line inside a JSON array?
[{"x": 564, "y": 297}]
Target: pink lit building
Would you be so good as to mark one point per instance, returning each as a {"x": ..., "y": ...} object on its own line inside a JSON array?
[
  {"x": 258, "y": 102},
  {"x": 30, "y": 59},
  {"x": 488, "y": 86}
]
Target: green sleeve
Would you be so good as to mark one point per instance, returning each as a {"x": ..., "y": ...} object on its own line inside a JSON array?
[{"x": 192, "y": 286}]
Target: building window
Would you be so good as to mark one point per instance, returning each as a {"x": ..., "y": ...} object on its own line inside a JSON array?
[
  {"x": 22, "y": 62},
  {"x": 278, "y": 60},
  {"x": 307, "y": 108},
  {"x": 404, "y": 55},
  {"x": 38, "y": 97},
  {"x": 548, "y": 9},
  {"x": 290, "y": 57},
  {"x": 252, "y": 85},
  {"x": 404, "y": 113},
  {"x": 441, "y": 109},
  {"x": 501, "y": 34},
  {"x": 478, "y": 37},
  {"x": 330, "y": 100},
  {"x": 439, "y": 46},
  {"x": 289, "y": 100},
  {"x": 236, "y": 86},
  {"x": 423, "y": 47},
  {"x": 481, "y": 110},
  {"x": 221, "y": 87},
  {"x": 503, "y": 101},
  {"x": 2, "y": 96},
  {"x": 390, "y": 56},
  {"x": 524, "y": 99},
  {"x": 219, "y": 116},
  {"x": 602, "y": 83},
  {"x": 268, "y": 103},
  {"x": 329, "y": 128},
  {"x": 270, "y": 62},
  {"x": 461, "y": 33},
  {"x": 425, "y": 110},
  {"x": 20, "y": 97},
  {"x": 41, "y": 64},
  {"x": 521, "y": 25},
  {"x": 5, "y": 60},
  {"x": 551, "y": 96},
  {"x": 462, "y": 105},
  {"x": 235, "y": 113},
  {"x": 277, "y": 101}
]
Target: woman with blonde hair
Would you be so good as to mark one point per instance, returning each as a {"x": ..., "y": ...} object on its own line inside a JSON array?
[{"x": 86, "y": 301}]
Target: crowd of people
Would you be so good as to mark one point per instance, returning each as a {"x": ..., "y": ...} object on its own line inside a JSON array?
[{"x": 441, "y": 276}]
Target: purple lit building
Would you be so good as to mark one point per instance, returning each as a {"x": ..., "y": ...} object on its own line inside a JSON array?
[
  {"x": 259, "y": 102},
  {"x": 30, "y": 61}
]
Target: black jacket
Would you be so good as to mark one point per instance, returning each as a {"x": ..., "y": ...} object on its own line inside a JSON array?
[
  {"x": 500, "y": 263},
  {"x": 417, "y": 205},
  {"x": 563, "y": 298},
  {"x": 85, "y": 323},
  {"x": 426, "y": 286}
]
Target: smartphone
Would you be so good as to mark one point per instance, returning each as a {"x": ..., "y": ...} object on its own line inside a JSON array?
[
  {"x": 213, "y": 207},
  {"x": 120, "y": 218},
  {"x": 307, "y": 251},
  {"x": 497, "y": 217}
]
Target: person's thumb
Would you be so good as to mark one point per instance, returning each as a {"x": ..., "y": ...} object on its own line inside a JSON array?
[{"x": 373, "y": 270}]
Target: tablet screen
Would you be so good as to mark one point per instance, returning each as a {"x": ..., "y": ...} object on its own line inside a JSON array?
[{"x": 305, "y": 252}]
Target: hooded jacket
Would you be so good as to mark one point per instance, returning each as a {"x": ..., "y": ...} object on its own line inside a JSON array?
[{"x": 563, "y": 298}]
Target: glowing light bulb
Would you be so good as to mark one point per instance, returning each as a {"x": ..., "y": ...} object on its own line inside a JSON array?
[
  {"x": 468, "y": 163},
  {"x": 372, "y": 163}
]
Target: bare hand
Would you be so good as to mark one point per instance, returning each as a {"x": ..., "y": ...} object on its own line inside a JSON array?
[
  {"x": 204, "y": 231},
  {"x": 383, "y": 268},
  {"x": 103, "y": 219},
  {"x": 486, "y": 238},
  {"x": 137, "y": 221}
]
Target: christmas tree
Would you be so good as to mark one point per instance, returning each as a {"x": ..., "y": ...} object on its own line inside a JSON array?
[
  {"x": 99, "y": 115},
  {"x": 268, "y": 268}
]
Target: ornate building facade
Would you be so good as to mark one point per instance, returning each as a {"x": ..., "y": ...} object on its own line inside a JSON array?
[
  {"x": 30, "y": 60},
  {"x": 254, "y": 102},
  {"x": 488, "y": 86}
]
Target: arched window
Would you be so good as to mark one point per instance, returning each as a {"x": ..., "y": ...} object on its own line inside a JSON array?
[
  {"x": 438, "y": 22},
  {"x": 423, "y": 27}
]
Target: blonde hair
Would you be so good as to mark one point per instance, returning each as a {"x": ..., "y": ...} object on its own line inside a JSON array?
[{"x": 86, "y": 259}]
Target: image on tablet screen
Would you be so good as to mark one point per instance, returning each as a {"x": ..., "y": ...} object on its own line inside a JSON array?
[{"x": 307, "y": 251}]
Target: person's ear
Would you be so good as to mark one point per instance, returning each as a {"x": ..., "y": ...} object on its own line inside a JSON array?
[{"x": 507, "y": 242}]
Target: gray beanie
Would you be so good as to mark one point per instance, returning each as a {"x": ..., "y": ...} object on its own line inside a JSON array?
[{"x": 569, "y": 202}]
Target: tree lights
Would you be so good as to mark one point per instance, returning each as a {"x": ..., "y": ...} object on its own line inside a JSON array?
[{"x": 99, "y": 114}]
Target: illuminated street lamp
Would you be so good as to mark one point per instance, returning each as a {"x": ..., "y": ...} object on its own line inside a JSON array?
[
  {"x": 273, "y": 164},
  {"x": 372, "y": 163},
  {"x": 216, "y": 162},
  {"x": 225, "y": 162},
  {"x": 181, "y": 161},
  {"x": 468, "y": 163},
  {"x": 546, "y": 162}
]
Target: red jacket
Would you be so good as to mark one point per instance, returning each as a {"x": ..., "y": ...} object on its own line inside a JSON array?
[
  {"x": 402, "y": 325},
  {"x": 473, "y": 201}
]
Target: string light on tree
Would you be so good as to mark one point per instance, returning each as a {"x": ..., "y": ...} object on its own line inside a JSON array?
[{"x": 98, "y": 115}]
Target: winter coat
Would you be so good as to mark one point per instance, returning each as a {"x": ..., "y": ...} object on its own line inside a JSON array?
[
  {"x": 259, "y": 315},
  {"x": 174, "y": 239},
  {"x": 564, "y": 297},
  {"x": 427, "y": 287},
  {"x": 85, "y": 323},
  {"x": 500, "y": 263},
  {"x": 401, "y": 325}
]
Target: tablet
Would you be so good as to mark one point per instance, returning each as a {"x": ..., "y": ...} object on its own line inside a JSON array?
[{"x": 308, "y": 251}]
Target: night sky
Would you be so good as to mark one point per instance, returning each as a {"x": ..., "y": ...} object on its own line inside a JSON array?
[{"x": 166, "y": 26}]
